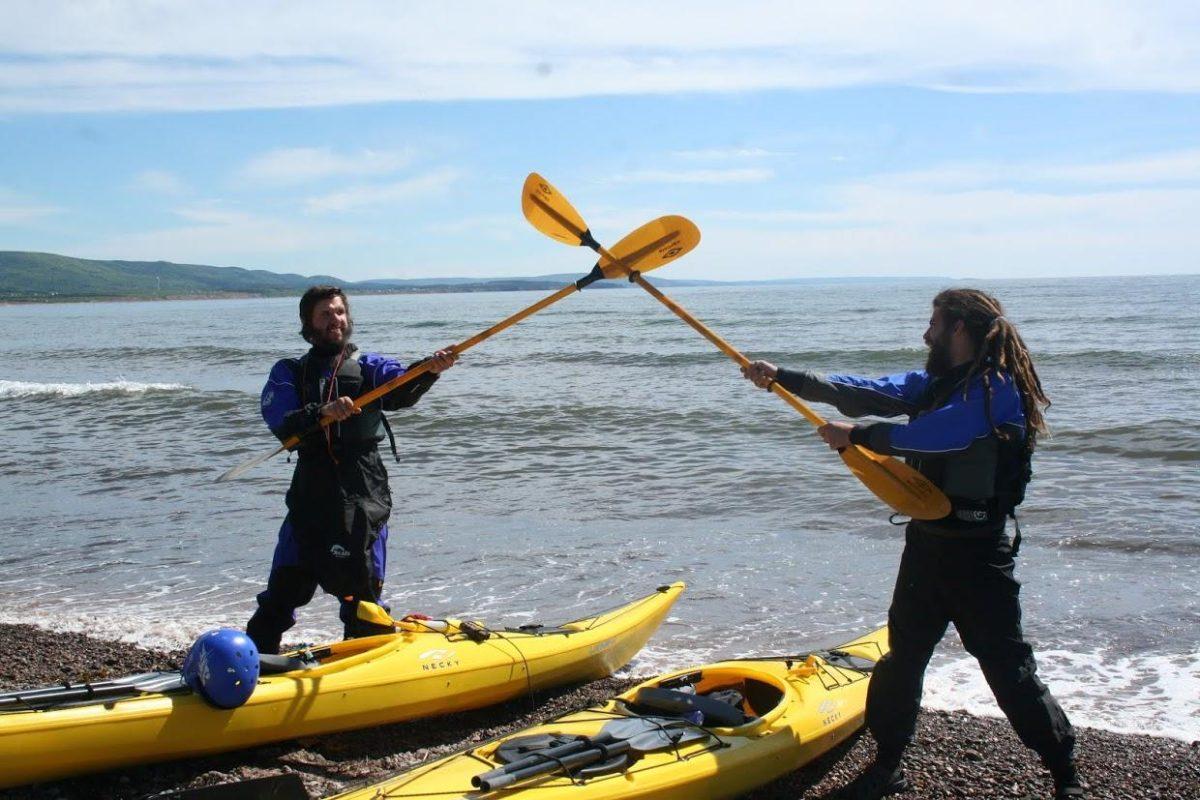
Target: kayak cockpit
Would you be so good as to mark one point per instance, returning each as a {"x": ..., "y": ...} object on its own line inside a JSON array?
[{"x": 719, "y": 697}]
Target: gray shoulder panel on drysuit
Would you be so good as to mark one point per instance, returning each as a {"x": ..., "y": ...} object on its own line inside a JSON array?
[{"x": 851, "y": 400}]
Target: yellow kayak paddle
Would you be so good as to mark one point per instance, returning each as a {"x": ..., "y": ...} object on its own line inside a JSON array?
[
  {"x": 898, "y": 485},
  {"x": 656, "y": 243}
]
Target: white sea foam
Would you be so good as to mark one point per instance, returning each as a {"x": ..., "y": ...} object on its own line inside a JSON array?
[
  {"x": 20, "y": 389},
  {"x": 1154, "y": 694},
  {"x": 165, "y": 632},
  {"x": 1151, "y": 693}
]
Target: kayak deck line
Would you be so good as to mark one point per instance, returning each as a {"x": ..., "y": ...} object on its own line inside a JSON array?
[
  {"x": 787, "y": 711},
  {"x": 356, "y": 683}
]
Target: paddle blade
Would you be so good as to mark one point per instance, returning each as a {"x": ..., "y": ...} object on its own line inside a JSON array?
[
  {"x": 651, "y": 246},
  {"x": 370, "y": 612},
  {"x": 254, "y": 462},
  {"x": 647, "y": 734},
  {"x": 907, "y": 491},
  {"x": 551, "y": 213}
]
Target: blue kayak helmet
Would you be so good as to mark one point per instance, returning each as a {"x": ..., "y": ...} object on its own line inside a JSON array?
[{"x": 222, "y": 667}]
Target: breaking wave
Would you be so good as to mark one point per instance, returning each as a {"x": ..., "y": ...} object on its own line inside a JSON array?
[{"x": 21, "y": 389}]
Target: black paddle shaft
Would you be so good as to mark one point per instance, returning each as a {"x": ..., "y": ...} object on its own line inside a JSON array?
[
  {"x": 596, "y": 752},
  {"x": 99, "y": 691},
  {"x": 537, "y": 757}
]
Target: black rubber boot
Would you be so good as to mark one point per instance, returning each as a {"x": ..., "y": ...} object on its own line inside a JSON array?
[
  {"x": 1066, "y": 782},
  {"x": 266, "y": 629},
  {"x": 877, "y": 780}
]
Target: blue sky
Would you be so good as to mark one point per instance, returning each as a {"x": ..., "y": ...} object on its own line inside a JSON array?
[{"x": 367, "y": 139}]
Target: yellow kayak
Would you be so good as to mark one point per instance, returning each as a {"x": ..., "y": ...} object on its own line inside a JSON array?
[
  {"x": 60, "y": 731},
  {"x": 715, "y": 731}
]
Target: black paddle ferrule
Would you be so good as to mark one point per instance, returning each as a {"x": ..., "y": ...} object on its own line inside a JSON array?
[
  {"x": 596, "y": 274},
  {"x": 587, "y": 240}
]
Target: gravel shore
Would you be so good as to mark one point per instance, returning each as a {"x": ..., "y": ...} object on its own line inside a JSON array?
[{"x": 956, "y": 755}]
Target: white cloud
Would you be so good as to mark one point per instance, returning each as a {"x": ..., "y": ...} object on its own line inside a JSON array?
[
  {"x": 220, "y": 54},
  {"x": 1177, "y": 167},
  {"x": 492, "y": 226},
  {"x": 434, "y": 184},
  {"x": 980, "y": 220},
  {"x": 296, "y": 165},
  {"x": 1070, "y": 247},
  {"x": 219, "y": 235},
  {"x": 1170, "y": 168},
  {"x": 213, "y": 213},
  {"x": 157, "y": 181},
  {"x": 725, "y": 154},
  {"x": 18, "y": 210},
  {"x": 707, "y": 176}
]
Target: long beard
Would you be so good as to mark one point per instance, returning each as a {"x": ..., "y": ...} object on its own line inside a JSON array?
[{"x": 937, "y": 363}]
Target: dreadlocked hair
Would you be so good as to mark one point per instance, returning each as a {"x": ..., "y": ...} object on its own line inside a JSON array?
[{"x": 999, "y": 349}]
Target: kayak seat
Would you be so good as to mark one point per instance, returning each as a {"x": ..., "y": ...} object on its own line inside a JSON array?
[
  {"x": 273, "y": 665},
  {"x": 672, "y": 701}
]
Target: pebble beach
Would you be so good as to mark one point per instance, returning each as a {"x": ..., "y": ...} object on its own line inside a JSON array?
[{"x": 956, "y": 754}]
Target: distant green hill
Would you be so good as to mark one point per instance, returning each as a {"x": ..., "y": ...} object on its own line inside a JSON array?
[{"x": 45, "y": 277}]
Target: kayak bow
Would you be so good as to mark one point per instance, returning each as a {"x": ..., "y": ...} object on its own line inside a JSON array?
[{"x": 358, "y": 683}]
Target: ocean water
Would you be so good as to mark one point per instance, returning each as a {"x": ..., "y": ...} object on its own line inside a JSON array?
[{"x": 602, "y": 448}]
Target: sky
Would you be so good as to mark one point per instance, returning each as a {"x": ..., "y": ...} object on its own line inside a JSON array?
[{"x": 391, "y": 139}]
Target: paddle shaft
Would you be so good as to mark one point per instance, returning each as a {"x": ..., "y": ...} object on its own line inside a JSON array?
[
  {"x": 598, "y": 752},
  {"x": 64, "y": 694},
  {"x": 540, "y": 757},
  {"x": 457, "y": 349},
  {"x": 722, "y": 345},
  {"x": 898, "y": 485},
  {"x": 729, "y": 350},
  {"x": 795, "y": 402}
]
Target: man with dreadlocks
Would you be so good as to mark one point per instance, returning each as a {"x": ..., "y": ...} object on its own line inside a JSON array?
[
  {"x": 335, "y": 532},
  {"x": 974, "y": 413}
]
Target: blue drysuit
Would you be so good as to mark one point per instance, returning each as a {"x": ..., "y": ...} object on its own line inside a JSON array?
[
  {"x": 950, "y": 436},
  {"x": 335, "y": 532}
]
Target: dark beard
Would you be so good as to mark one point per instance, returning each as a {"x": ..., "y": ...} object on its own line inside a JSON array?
[
  {"x": 937, "y": 363},
  {"x": 324, "y": 347}
]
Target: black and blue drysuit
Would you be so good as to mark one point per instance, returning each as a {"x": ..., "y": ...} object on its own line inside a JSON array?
[
  {"x": 960, "y": 568},
  {"x": 335, "y": 532}
]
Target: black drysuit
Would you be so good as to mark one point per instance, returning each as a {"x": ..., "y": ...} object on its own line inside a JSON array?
[{"x": 957, "y": 569}]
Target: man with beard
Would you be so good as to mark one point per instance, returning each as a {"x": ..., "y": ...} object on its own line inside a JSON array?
[
  {"x": 335, "y": 532},
  {"x": 974, "y": 413}
]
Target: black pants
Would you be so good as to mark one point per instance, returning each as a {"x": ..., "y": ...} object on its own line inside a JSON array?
[
  {"x": 334, "y": 537},
  {"x": 302, "y": 563},
  {"x": 967, "y": 581},
  {"x": 290, "y": 587}
]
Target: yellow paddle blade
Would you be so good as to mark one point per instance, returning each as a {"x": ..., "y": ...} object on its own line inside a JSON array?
[
  {"x": 656, "y": 243},
  {"x": 370, "y": 612},
  {"x": 551, "y": 213},
  {"x": 907, "y": 491}
]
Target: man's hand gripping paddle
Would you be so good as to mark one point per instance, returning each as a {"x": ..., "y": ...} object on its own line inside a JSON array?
[
  {"x": 898, "y": 485},
  {"x": 651, "y": 246}
]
